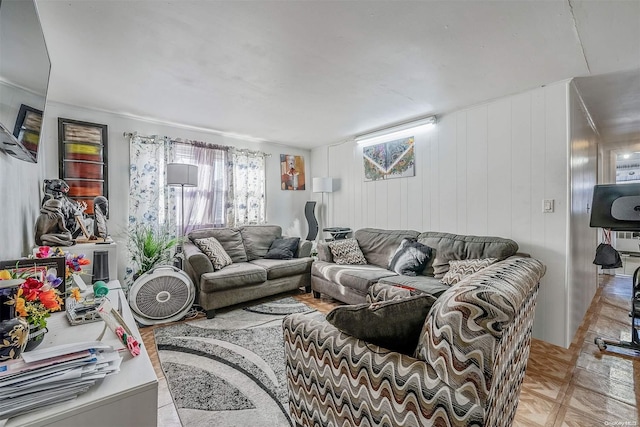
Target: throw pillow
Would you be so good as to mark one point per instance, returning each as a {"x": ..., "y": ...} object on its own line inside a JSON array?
[
  {"x": 214, "y": 250},
  {"x": 284, "y": 248},
  {"x": 395, "y": 325},
  {"x": 458, "y": 270},
  {"x": 346, "y": 251},
  {"x": 410, "y": 258}
]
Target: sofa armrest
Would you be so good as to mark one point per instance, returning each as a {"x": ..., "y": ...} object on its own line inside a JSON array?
[
  {"x": 336, "y": 379},
  {"x": 196, "y": 262}
]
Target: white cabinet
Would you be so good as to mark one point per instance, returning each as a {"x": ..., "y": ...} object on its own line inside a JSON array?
[{"x": 128, "y": 398}]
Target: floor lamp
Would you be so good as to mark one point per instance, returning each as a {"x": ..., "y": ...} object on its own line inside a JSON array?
[
  {"x": 183, "y": 175},
  {"x": 322, "y": 185}
]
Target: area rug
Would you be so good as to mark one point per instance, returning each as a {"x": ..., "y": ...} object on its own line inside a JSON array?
[{"x": 230, "y": 370}]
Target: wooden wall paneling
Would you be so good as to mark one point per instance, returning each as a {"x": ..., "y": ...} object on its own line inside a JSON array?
[
  {"x": 415, "y": 188},
  {"x": 462, "y": 209},
  {"x": 477, "y": 200},
  {"x": 447, "y": 174},
  {"x": 434, "y": 181},
  {"x": 522, "y": 182},
  {"x": 427, "y": 184},
  {"x": 499, "y": 168},
  {"x": 394, "y": 204},
  {"x": 358, "y": 193},
  {"x": 537, "y": 243}
]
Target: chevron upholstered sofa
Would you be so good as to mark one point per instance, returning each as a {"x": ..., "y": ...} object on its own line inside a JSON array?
[{"x": 467, "y": 369}]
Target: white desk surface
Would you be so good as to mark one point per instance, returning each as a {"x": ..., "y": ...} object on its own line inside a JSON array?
[{"x": 136, "y": 373}]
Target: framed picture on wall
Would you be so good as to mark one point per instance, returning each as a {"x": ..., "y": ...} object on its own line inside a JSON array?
[
  {"x": 28, "y": 127},
  {"x": 392, "y": 159},
  {"x": 292, "y": 175}
]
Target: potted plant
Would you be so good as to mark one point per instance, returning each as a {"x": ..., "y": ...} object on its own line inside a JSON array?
[{"x": 150, "y": 246}]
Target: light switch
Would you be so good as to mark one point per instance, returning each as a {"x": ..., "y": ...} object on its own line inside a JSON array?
[{"x": 547, "y": 205}]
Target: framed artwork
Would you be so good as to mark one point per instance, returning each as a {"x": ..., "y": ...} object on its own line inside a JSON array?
[
  {"x": 28, "y": 127},
  {"x": 292, "y": 175},
  {"x": 83, "y": 160},
  {"x": 392, "y": 159},
  {"x": 37, "y": 268}
]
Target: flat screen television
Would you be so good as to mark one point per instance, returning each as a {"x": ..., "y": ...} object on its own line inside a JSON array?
[
  {"x": 616, "y": 206},
  {"x": 24, "y": 78}
]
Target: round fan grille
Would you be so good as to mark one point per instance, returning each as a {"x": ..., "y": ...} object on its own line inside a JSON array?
[{"x": 164, "y": 294}]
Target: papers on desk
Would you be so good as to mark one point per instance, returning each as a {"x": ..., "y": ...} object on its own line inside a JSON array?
[{"x": 52, "y": 375}]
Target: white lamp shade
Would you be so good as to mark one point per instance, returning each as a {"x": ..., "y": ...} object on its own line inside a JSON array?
[
  {"x": 323, "y": 185},
  {"x": 182, "y": 174}
]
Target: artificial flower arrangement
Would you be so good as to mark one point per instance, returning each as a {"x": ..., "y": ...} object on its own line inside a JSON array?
[{"x": 38, "y": 296}]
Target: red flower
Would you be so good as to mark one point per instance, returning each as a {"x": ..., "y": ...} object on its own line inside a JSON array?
[
  {"x": 50, "y": 300},
  {"x": 32, "y": 289}
]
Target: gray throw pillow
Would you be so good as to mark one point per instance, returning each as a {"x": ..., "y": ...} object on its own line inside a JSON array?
[
  {"x": 284, "y": 248},
  {"x": 212, "y": 248},
  {"x": 395, "y": 325},
  {"x": 346, "y": 252},
  {"x": 410, "y": 258}
]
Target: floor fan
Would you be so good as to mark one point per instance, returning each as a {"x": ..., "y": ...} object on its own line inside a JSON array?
[{"x": 164, "y": 294}]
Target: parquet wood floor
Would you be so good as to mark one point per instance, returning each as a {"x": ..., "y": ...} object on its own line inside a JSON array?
[{"x": 579, "y": 386}]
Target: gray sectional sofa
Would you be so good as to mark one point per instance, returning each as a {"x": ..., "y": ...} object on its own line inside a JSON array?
[
  {"x": 351, "y": 283},
  {"x": 250, "y": 276}
]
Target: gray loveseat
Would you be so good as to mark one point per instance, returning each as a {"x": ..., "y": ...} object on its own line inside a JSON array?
[
  {"x": 250, "y": 276},
  {"x": 351, "y": 283}
]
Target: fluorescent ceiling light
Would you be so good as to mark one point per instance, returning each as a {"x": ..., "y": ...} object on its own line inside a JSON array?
[{"x": 427, "y": 122}]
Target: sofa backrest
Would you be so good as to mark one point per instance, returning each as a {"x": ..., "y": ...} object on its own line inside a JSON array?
[
  {"x": 378, "y": 246},
  {"x": 244, "y": 243},
  {"x": 258, "y": 238},
  {"x": 478, "y": 332},
  {"x": 229, "y": 238},
  {"x": 448, "y": 247}
]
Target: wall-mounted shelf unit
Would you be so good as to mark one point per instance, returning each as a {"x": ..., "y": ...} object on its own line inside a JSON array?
[{"x": 83, "y": 160}]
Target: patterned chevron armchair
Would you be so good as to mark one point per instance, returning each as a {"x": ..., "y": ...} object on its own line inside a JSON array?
[{"x": 467, "y": 369}]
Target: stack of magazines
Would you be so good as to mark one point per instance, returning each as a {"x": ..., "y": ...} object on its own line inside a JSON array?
[{"x": 52, "y": 375}]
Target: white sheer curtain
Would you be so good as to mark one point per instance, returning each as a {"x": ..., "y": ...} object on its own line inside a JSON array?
[
  {"x": 247, "y": 189},
  {"x": 204, "y": 205}
]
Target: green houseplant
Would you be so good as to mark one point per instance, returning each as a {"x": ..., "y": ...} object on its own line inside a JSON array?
[{"x": 150, "y": 246}]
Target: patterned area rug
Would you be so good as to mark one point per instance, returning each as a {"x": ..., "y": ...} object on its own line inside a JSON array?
[{"x": 230, "y": 370}]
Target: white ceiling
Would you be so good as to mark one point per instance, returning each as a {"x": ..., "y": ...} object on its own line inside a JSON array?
[{"x": 308, "y": 73}]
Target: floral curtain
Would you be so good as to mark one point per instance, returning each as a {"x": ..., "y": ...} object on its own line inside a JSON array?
[
  {"x": 247, "y": 191},
  {"x": 150, "y": 200}
]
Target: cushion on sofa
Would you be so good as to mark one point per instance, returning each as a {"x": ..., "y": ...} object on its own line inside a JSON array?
[
  {"x": 257, "y": 239},
  {"x": 423, "y": 284},
  {"x": 410, "y": 258},
  {"x": 229, "y": 238},
  {"x": 214, "y": 251},
  {"x": 459, "y": 269},
  {"x": 233, "y": 276},
  {"x": 378, "y": 246},
  {"x": 395, "y": 324},
  {"x": 284, "y": 248},
  {"x": 450, "y": 247},
  {"x": 277, "y": 268},
  {"x": 346, "y": 251},
  {"x": 359, "y": 277}
]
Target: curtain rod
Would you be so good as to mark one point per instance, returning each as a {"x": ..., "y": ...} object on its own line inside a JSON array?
[{"x": 153, "y": 138}]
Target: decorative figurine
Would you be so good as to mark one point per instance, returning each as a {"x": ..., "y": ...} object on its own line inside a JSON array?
[
  {"x": 57, "y": 189},
  {"x": 100, "y": 212},
  {"x": 50, "y": 226}
]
